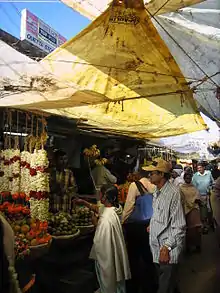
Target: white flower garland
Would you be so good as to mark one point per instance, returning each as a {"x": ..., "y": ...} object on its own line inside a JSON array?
[
  {"x": 43, "y": 210},
  {"x": 39, "y": 209},
  {"x": 34, "y": 208},
  {"x": 25, "y": 173},
  {"x": 15, "y": 167},
  {"x": 39, "y": 182}
]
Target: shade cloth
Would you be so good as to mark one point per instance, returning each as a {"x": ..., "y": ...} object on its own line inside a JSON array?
[
  {"x": 93, "y": 8},
  {"x": 121, "y": 66}
]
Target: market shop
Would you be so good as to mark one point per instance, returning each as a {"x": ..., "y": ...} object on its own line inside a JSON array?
[
  {"x": 38, "y": 184},
  {"x": 80, "y": 105}
]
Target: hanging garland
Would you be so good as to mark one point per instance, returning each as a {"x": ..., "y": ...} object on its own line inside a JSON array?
[{"x": 39, "y": 179}]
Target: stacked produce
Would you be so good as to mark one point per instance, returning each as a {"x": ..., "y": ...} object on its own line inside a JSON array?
[
  {"x": 27, "y": 234},
  {"x": 61, "y": 224},
  {"x": 82, "y": 217}
]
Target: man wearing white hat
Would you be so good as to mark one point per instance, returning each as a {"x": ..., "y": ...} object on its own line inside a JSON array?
[{"x": 167, "y": 226}]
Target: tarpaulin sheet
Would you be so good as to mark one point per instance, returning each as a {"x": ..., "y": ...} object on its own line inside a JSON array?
[
  {"x": 121, "y": 60},
  {"x": 191, "y": 34},
  {"x": 193, "y": 142},
  {"x": 93, "y": 8}
]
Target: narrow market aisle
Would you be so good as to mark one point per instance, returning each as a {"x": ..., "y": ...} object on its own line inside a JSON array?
[{"x": 198, "y": 272}]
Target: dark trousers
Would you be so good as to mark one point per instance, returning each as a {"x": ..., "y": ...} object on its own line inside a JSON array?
[
  {"x": 167, "y": 278},
  {"x": 144, "y": 278}
]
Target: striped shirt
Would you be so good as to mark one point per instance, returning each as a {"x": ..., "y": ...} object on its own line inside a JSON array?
[{"x": 167, "y": 226}]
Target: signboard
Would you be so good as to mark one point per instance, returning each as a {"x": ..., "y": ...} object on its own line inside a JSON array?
[{"x": 38, "y": 33}]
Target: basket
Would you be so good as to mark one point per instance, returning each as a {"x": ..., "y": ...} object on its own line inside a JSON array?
[
  {"x": 39, "y": 250},
  {"x": 65, "y": 240},
  {"x": 86, "y": 229}
]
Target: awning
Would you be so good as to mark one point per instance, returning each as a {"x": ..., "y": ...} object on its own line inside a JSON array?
[
  {"x": 93, "y": 8},
  {"x": 196, "y": 142},
  {"x": 122, "y": 73}
]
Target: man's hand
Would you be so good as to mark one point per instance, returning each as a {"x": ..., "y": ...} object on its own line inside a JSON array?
[
  {"x": 164, "y": 255},
  {"x": 148, "y": 229}
]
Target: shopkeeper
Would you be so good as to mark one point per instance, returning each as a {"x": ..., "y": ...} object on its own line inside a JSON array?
[{"x": 63, "y": 186}]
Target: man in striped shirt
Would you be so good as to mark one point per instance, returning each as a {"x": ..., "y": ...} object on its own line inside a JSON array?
[{"x": 167, "y": 226}]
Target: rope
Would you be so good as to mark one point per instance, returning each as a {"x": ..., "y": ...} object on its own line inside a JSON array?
[{"x": 161, "y": 7}]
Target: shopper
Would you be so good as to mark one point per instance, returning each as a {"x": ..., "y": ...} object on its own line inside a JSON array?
[
  {"x": 8, "y": 277},
  {"x": 191, "y": 199},
  {"x": 109, "y": 250},
  {"x": 167, "y": 226},
  {"x": 177, "y": 178},
  {"x": 203, "y": 181},
  {"x": 135, "y": 220}
]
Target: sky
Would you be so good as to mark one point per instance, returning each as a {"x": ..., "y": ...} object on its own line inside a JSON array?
[{"x": 60, "y": 17}]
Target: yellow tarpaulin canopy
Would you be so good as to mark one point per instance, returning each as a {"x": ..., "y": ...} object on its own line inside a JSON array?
[
  {"x": 121, "y": 66},
  {"x": 94, "y": 8}
]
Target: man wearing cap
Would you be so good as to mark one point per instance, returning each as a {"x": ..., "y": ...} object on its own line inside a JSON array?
[{"x": 167, "y": 226}]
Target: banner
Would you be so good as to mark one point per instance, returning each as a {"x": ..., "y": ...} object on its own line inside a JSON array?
[{"x": 38, "y": 33}]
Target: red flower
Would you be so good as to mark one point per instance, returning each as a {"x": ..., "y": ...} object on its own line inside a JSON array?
[
  {"x": 5, "y": 194},
  {"x": 23, "y": 163},
  {"x": 32, "y": 193},
  {"x": 33, "y": 172},
  {"x": 15, "y": 196},
  {"x": 22, "y": 195},
  {"x": 15, "y": 159}
]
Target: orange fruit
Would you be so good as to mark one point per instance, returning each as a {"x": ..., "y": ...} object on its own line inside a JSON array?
[
  {"x": 34, "y": 242},
  {"x": 25, "y": 229},
  {"x": 17, "y": 228}
]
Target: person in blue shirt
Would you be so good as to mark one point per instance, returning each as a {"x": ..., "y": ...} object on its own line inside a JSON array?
[{"x": 203, "y": 181}]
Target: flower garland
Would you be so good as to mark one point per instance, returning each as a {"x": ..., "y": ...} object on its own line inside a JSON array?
[
  {"x": 25, "y": 173},
  {"x": 15, "y": 167},
  {"x": 2, "y": 172},
  {"x": 39, "y": 185}
]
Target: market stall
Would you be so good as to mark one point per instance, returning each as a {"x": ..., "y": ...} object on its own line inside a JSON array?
[{"x": 24, "y": 202}]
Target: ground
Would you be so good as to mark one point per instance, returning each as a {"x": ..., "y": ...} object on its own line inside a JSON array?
[{"x": 198, "y": 272}]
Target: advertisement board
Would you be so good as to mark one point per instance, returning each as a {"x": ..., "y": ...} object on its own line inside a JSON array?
[{"x": 38, "y": 33}]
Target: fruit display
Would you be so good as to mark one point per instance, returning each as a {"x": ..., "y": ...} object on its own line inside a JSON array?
[
  {"x": 28, "y": 233},
  {"x": 61, "y": 224},
  {"x": 82, "y": 217}
]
